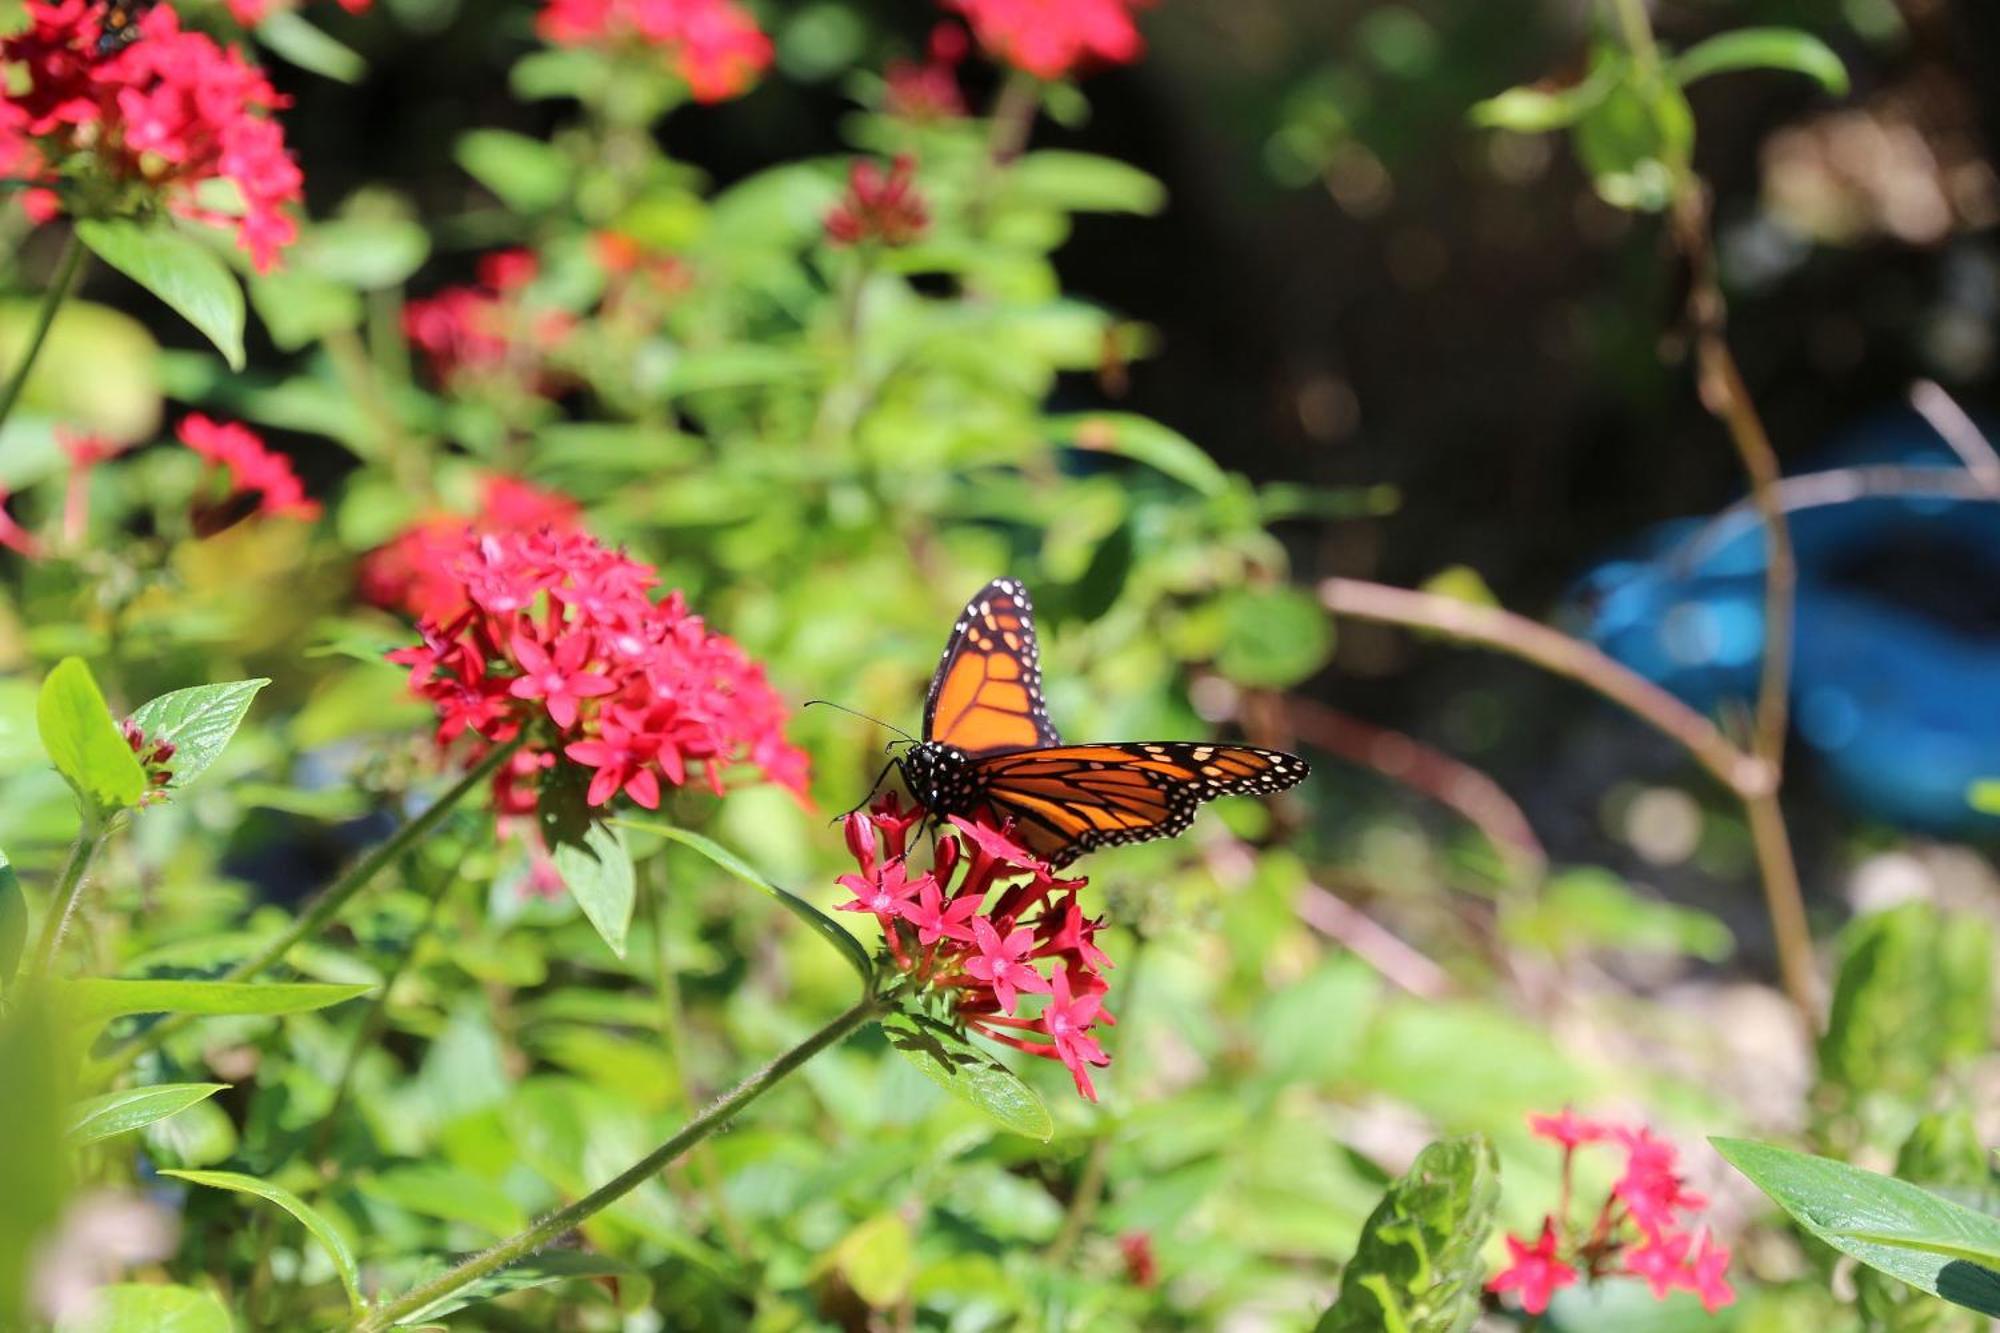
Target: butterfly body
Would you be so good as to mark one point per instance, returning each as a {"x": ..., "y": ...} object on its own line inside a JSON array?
[{"x": 989, "y": 749}]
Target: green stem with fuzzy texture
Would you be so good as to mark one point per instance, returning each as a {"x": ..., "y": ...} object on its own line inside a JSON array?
[
  {"x": 518, "y": 1247},
  {"x": 67, "y": 270},
  {"x": 329, "y": 903},
  {"x": 68, "y": 893}
]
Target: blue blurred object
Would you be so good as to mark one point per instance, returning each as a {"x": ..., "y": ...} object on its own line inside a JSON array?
[{"x": 1897, "y": 662}]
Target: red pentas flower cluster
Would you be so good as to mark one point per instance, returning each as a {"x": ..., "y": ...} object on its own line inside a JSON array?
[
  {"x": 234, "y": 452},
  {"x": 1053, "y": 38},
  {"x": 927, "y": 91},
  {"x": 882, "y": 207},
  {"x": 416, "y": 573},
  {"x": 489, "y": 329},
  {"x": 1642, "y": 1229},
  {"x": 715, "y": 46},
  {"x": 562, "y": 645},
  {"x": 988, "y": 930},
  {"x": 111, "y": 131}
]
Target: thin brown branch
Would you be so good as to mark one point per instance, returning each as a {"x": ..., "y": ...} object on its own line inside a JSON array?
[
  {"x": 1835, "y": 486},
  {"x": 1553, "y": 651},
  {"x": 1354, "y": 930},
  {"x": 1750, "y": 777},
  {"x": 1429, "y": 772},
  {"x": 1959, "y": 430},
  {"x": 1724, "y": 394}
]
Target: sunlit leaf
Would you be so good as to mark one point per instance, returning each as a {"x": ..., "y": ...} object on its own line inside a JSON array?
[
  {"x": 84, "y": 742},
  {"x": 1763, "y": 48},
  {"x": 198, "y": 721},
  {"x": 1143, "y": 440},
  {"x": 969, "y": 1074},
  {"x": 310, "y": 47},
  {"x": 1908, "y": 1232},
  {"x": 1417, "y": 1265},
  {"x": 180, "y": 271},
  {"x": 128, "y": 1109},
  {"x": 309, "y": 1217},
  {"x": 88, "y": 1001},
  {"x": 598, "y": 871}
]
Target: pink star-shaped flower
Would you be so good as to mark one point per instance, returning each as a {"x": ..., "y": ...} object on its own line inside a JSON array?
[
  {"x": 999, "y": 962},
  {"x": 1534, "y": 1272}
]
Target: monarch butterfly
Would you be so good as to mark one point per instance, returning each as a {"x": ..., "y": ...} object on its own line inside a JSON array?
[{"x": 988, "y": 746}]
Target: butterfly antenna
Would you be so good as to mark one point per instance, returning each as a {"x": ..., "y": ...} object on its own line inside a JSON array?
[{"x": 855, "y": 712}]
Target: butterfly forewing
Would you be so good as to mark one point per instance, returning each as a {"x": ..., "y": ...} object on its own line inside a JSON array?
[
  {"x": 986, "y": 697},
  {"x": 1072, "y": 799}
]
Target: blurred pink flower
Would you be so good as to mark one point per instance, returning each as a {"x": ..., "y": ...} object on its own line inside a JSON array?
[
  {"x": 715, "y": 46},
  {"x": 159, "y": 116},
  {"x": 1053, "y": 38}
]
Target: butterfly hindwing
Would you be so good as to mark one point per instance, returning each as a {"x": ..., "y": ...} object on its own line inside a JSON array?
[
  {"x": 1071, "y": 799},
  {"x": 986, "y": 697}
]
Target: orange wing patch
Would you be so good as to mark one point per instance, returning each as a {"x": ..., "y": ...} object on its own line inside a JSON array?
[
  {"x": 986, "y": 697},
  {"x": 1068, "y": 800}
]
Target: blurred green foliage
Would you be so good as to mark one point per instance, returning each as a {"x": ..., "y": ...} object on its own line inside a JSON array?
[{"x": 826, "y": 448}]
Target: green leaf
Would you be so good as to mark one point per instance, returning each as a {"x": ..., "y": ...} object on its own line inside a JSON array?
[
  {"x": 99, "y": 371},
  {"x": 598, "y": 871},
  {"x": 1588, "y": 907},
  {"x": 1273, "y": 637},
  {"x": 828, "y": 929},
  {"x": 450, "y": 1193},
  {"x": 1910, "y": 1001},
  {"x": 83, "y": 740},
  {"x": 135, "y": 1307},
  {"x": 90, "y": 1001},
  {"x": 13, "y": 921},
  {"x": 527, "y": 175},
  {"x": 1763, "y": 48},
  {"x": 134, "y": 1108},
  {"x": 879, "y": 1260},
  {"x": 1142, "y": 440},
  {"x": 1985, "y": 796},
  {"x": 366, "y": 251},
  {"x": 1417, "y": 1266},
  {"x": 180, "y": 271},
  {"x": 1536, "y": 110},
  {"x": 309, "y": 1217},
  {"x": 1632, "y": 144},
  {"x": 634, "y": 1287},
  {"x": 1082, "y": 183},
  {"x": 310, "y": 48},
  {"x": 299, "y": 308},
  {"x": 969, "y": 1074},
  {"x": 1890, "y": 1225},
  {"x": 199, "y": 721}
]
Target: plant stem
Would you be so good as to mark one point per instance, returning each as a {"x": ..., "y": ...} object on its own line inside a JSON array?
[
  {"x": 1719, "y": 381},
  {"x": 67, "y": 269},
  {"x": 68, "y": 893},
  {"x": 1750, "y": 777},
  {"x": 1089, "y": 1193},
  {"x": 329, "y": 903},
  {"x": 1724, "y": 394},
  {"x": 525, "y": 1243},
  {"x": 1561, "y": 655},
  {"x": 377, "y": 1016}
]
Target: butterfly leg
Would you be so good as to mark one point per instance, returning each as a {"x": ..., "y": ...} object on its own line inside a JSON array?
[{"x": 873, "y": 787}]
